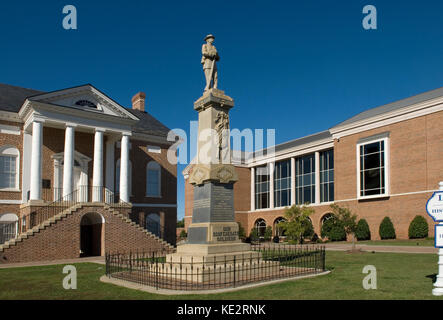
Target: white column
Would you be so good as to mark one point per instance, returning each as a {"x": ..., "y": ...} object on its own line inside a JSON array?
[
  {"x": 110, "y": 170},
  {"x": 124, "y": 169},
  {"x": 271, "y": 184},
  {"x": 252, "y": 189},
  {"x": 97, "y": 177},
  {"x": 36, "y": 162},
  {"x": 68, "y": 162},
  {"x": 317, "y": 177},
  {"x": 293, "y": 189},
  {"x": 438, "y": 290}
]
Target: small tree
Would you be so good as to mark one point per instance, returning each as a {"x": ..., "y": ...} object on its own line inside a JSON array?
[
  {"x": 418, "y": 228},
  {"x": 297, "y": 222},
  {"x": 347, "y": 219},
  {"x": 309, "y": 230},
  {"x": 253, "y": 234},
  {"x": 241, "y": 231},
  {"x": 268, "y": 233},
  {"x": 363, "y": 232},
  {"x": 181, "y": 223},
  {"x": 183, "y": 234},
  {"x": 386, "y": 229}
]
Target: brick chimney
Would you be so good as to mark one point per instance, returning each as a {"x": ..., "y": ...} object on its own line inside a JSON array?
[{"x": 138, "y": 101}]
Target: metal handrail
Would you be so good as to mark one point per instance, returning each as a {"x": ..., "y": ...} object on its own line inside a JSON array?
[{"x": 84, "y": 194}]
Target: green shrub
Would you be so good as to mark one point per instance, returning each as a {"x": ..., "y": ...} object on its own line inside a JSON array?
[
  {"x": 333, "y": 230},
  {"x": 254, "y": 234},
  {"x": 241, "y": 232},
  {"x": 363, "y": 232},
  {"x": 309, "y": 231},
  {"x": 386, "y": 229},
  {"x": 326, "y": 227},
  {"x": 183, "y": 234},
  {"x": 418, "y": 228},
  {"x": 181, "y": 223},
  {"x": 268, "y": 233}
]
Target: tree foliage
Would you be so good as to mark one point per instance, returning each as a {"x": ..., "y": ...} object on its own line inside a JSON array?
[
  {"x": 297, "y": 222},
  {"x": 386, "y": 229},
  {"x": 268, "y": 233},
  {"x": 363, "y": 232},
  {"x": 181, "y": 223},
  {"x": 418, "y": 228}
]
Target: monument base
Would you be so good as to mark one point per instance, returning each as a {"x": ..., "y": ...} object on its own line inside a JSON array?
[{"x": 212, "y": 253}]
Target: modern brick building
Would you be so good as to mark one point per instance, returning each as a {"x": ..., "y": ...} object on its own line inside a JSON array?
[
  {"x": 386, "y": 161},
  {"x": 81, "y": 175}
]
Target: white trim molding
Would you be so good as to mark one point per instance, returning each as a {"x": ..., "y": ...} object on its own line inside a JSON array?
[
  {"x": 5, "y": 129},
  {"x": 155, "y": 205}
]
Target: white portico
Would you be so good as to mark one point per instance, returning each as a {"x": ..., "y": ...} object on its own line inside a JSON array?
[{"x": 82, "y": 109}]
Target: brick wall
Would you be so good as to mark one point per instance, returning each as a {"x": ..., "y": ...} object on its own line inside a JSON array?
[
  {"x": 416, "y": 153},
  {"x": 15, "y": 141},
  {"x": 62, "y": 240}
]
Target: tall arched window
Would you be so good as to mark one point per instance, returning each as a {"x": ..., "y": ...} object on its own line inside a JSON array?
[
  {"x": 153, "y": 179},
  {"x": 9, "y": 168},
  {"x": 117, "y": 177},
  {"x": 260, "y": 225},
  {"x": 278, "y": 230},
  {"x": 8, "y": 227}
]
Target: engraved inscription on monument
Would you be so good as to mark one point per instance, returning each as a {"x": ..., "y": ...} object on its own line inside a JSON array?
[
  {"x": 224, "y": 233},
  {"x": 222, "y": 204},
  {"x": 202, "y": 203}
]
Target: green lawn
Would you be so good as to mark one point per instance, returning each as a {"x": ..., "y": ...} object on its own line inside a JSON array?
[{"x": 399, "y": 276}]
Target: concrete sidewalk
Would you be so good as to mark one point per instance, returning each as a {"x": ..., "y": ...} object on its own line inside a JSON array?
[
  {"x": 99, "y": 260},
  {"x": 381, "y": 248}
]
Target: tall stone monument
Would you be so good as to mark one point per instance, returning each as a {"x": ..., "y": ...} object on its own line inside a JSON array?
[{"x": 213, "y": 233}]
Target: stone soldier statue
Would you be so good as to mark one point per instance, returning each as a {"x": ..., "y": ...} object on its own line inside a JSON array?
[{"x": 209, "y": 58}]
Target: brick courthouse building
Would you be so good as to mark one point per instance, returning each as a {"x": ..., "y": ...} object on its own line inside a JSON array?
[
  {"x": 81, "y": 175},
  {"x": 386, "y": 161}
]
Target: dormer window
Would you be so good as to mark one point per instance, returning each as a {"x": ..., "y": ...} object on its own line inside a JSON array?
[{"x": 86, "y": 103}]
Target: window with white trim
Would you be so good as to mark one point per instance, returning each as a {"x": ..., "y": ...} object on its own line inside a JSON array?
[
  {"x": 262, "y": 187},
  {"x": 282, "y": 184},
  {"x": 153, "y": 179},
  {"x": 372, "y": 168},
  {"x": 9, "y": 164},
  {"x": 327, "y": 176},
  {"x": 305, "y": 179}
]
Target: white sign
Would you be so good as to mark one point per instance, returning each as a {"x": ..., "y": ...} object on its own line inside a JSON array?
[
  {"x": 439, "y": 236},
  {"x": 434, "y": 207}
]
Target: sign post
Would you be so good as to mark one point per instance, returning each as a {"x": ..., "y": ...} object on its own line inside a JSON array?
[{"x": 434, "y": 207}]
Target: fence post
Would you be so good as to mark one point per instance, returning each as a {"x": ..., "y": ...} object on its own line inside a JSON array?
[{"x": 234, "y": 270}]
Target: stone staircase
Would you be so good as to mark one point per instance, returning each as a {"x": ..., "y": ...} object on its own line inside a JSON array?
[{"x": 51, "y": 221}]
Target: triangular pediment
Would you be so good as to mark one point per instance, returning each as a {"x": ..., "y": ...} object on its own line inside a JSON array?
[{"x": 85, "y": 98}]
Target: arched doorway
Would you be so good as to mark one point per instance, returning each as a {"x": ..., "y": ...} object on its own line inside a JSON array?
[{"x": 91, "y": 231}]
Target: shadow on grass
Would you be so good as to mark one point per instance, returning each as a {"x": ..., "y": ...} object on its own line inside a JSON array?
[{"x": 433, "y": 277}]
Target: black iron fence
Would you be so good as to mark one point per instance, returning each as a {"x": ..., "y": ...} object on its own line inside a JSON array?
[{"x": 159, "y": 270}]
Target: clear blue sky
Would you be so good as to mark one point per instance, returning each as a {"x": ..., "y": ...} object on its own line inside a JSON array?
[{"x": 297, "y": 66}]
